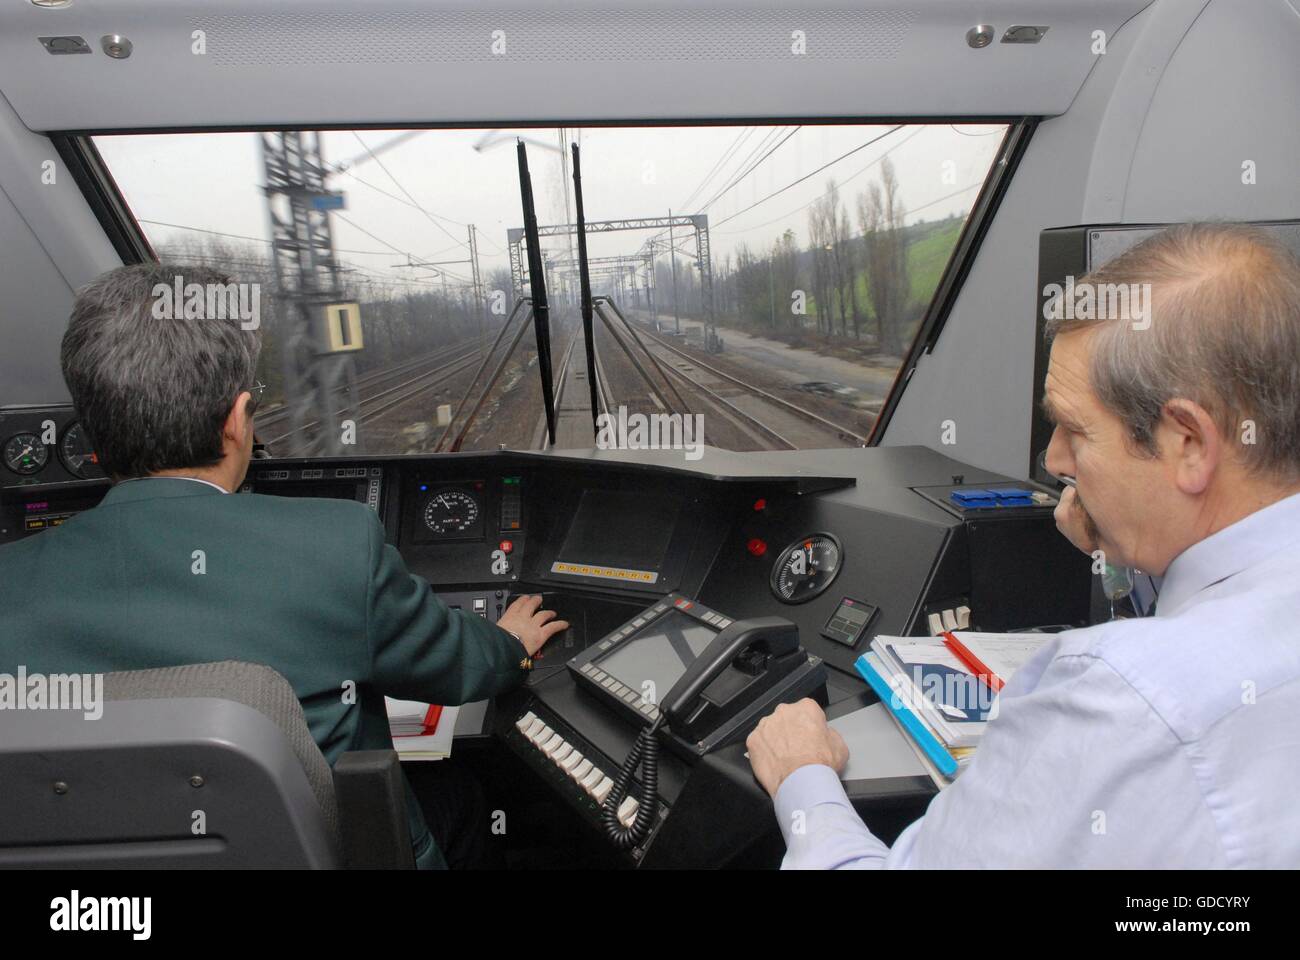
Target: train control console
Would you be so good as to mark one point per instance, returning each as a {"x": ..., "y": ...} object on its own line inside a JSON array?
[{"x": 700, "y": 594}]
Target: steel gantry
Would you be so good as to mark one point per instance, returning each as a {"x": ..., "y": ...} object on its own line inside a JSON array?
[
  {"x": 319, "y": 384},
  {"x": 699, "y": 222}
]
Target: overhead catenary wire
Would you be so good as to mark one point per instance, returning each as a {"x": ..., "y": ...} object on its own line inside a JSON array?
[
  {"x": 740, "y": 178},
  {"x": 432, "y": 217},
  {"x": 726, "y": 154},
  {"x": 368, "y": 274},
  {"x": 774, "y": 132},
  {"x": 415, "y": 205},
  {"x": 393, "y": 247},
  {"x": 241, "y": 236},
  {"x": 368, "y": 270},
  {"x": 824, "y": 166}
]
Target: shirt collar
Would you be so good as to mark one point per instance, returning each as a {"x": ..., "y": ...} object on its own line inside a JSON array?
[
  {"x": 1229, "y": 551},
  {"x": 214, "y": 486},
  {"x": 150, "y": 488}
]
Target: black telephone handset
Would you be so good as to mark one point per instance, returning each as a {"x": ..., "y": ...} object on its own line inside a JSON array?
[
  {"x": 749, "y": 645},
  {"x": 708, "y": 697}
]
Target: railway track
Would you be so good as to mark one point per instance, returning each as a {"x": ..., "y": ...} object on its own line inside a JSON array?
[
  {"x": 369, "y": 382},
  {"x": 380, "y": 401},
  {"x": 781, "y": 402},
  {"x": 697, "y": 396},
  {"x": 748, "y": 423},
  {"x": 561, "y": 382}
]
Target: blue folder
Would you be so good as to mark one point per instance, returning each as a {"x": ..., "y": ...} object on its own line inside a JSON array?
[{"x": 927, "y": 741}]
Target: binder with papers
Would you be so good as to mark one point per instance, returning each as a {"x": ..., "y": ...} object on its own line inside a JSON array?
[
  {"x": 953, "y": 700},
  {"x": 942, "y": 691}
]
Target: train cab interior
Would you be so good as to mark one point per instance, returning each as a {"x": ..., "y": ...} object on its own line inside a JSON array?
[{"x": 719, "y": 329}]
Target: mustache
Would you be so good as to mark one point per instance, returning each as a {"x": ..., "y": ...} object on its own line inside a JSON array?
[{"x": 1089, "y": 524}]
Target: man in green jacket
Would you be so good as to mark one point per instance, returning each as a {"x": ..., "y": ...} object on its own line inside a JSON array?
[{"x": 171, "y": 569}]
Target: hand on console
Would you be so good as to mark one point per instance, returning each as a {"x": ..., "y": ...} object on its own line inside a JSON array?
[
  {"x": 792, "y": 736},
  {"x": 532, "y": 625}
]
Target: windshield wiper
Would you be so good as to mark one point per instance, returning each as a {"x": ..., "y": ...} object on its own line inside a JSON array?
[
  {"x": 537, "y": 285},
  {"x": 584, "y": 280}
]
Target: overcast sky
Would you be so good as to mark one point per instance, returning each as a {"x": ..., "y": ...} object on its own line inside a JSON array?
[{"x": 213, "y": 181}]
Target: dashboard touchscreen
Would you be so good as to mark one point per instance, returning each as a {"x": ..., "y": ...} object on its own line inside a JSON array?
[{"x": 659, "y": 655}]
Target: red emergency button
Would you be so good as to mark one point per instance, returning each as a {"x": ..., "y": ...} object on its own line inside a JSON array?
[{"x": 507, "y": 546}]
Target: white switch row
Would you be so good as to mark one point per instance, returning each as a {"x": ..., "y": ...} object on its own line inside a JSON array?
[
  {"x": 581, "y": 770},
  {"x": 952, "y": 619}
]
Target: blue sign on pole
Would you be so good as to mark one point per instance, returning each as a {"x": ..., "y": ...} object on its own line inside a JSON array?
[{"x": 328, "y": 201}]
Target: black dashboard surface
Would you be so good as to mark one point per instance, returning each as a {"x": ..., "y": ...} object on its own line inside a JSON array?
[
  {"x": 632, "y": 526},
  {"x": 605, "y": 534}
]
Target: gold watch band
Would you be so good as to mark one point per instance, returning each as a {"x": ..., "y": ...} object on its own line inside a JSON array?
[{"x": 527, "y": 662}]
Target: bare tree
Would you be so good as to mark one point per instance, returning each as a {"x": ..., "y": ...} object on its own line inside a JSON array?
[
  {"x": 821, "y": 232},
  {"x": 784, "y": 276},
  {"x": 844, "y": 258},
  {"x": 880, "y": 215}
]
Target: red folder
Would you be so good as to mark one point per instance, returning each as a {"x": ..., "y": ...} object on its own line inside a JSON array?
[
  {"x": 430, "y": 725},
  {"x": 980, "y": 669}
]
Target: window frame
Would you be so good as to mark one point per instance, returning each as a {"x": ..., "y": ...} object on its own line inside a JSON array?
[{"x": 97, "y": 184}]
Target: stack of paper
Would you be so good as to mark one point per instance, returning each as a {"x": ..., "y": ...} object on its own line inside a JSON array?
[
  {"x": 954, "y": 702},
  {"x": 943, "y": 690},
  {"x": 420, "y": 731}
]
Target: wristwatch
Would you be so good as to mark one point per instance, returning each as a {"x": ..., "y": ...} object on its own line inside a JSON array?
[{"x": 527, "y": 662}]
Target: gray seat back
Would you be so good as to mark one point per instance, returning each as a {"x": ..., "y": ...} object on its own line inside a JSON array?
[{"x": 206, "y": 765}]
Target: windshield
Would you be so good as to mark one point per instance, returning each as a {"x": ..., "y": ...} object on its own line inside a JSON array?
[{"x": 763, "y": 283}]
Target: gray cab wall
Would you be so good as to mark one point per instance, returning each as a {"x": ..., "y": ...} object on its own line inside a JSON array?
[
  {"x": 1186, "y": 93},
  {"x": 50, "y": 244}
]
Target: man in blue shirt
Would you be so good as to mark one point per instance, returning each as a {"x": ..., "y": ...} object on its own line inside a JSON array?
[{"x": 1166, "y": 741}]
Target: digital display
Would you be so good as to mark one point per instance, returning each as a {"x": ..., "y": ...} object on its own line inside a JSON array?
[
  {"x": 511, "y": 504},
  {"x": 853, "y": 615},
  {"x": 659, "y": 655},
  {"x": 620, "y": 530},
  {"x": 848, "y": 621},
  {"x": 346, "y": 490}
]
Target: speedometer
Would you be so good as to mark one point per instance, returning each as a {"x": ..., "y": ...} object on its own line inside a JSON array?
[
  {"x": 451, "y": 512},
  {"x": 806, "y": 568},
  {"x": 25, "y": 454},
  {"x": 76, "y": 452}
]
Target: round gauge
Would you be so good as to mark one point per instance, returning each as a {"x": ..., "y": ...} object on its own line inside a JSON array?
[
  {"x": 76, "y": 453},
  {"x": 806, "y": 568},
  {"x": 451, "y": 511},
  {"x": 25, "y": 454}
]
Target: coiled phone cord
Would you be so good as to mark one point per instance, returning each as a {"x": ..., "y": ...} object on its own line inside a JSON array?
[{"x": 645, "y": 754}]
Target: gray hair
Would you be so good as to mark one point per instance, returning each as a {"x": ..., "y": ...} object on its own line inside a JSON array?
[
  {"x": 153, "y": 393},
  {"x": 1224, "y": 332}
]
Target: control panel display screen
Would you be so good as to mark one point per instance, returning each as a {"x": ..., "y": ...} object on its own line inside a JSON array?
[
  {"x": 346, "y": 490},
  {"x": 621, "y": 530},
  {"x": 660, "y": 655}
]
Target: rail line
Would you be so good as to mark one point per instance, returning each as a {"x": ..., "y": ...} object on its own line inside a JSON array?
[
  {"x": 382, "y": 401},
  {"x": 275, "y": 415},
  {"x": 739, "y": 417},
  {"x": 744, "y": 421},
  {"x": 561, "y": 381},
  {"x": 781, "y": 402}
]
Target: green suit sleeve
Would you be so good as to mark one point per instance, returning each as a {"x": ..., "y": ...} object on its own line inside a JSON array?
[{"x": 422, "y": 650}]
